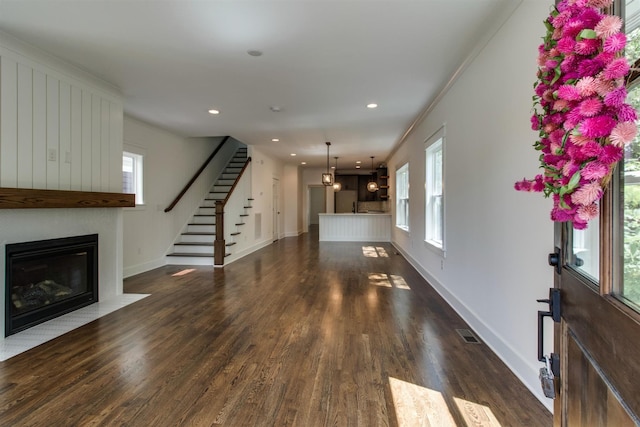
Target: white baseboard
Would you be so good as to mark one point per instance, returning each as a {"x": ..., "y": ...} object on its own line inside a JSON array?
[
  {"x": 236, "y": 256},
  {"x": 525, "y": 370}
]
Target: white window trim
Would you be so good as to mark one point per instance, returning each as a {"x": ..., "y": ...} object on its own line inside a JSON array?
[
  {"x": 141, "y": 153},
  {"x": 435, "y": 246},
  {"x": 404, "y": 165}
]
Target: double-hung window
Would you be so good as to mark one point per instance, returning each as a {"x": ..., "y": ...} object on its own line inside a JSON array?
[
  {"x": 132, "y": 175},
  {"x": 402, "y": 197},
  {"x": 434, "y": 186}
]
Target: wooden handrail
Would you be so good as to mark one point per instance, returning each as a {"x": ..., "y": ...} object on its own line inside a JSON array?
[
  {"x": 196, "y": 175},
  {"x": 244, "y": 167}
]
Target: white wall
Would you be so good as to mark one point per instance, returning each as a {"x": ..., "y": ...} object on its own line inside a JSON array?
[
  {"x": 292, "y": 213},
  {"x": 497, "y": 239},
  {"x": 169, "y": 163},
  {"x": 60, "y": 129}
]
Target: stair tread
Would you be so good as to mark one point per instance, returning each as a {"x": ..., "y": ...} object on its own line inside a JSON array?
[
  {"x": 240, "y": 223},
  {"x": 196, "y": 233},
  {"x": 230, "y": 244},
  {"x": 188, "y": 254},
  {"x": 244, "y": 214},
  {"x": 236, "y": 233},
  {"x": 194, "y": 243},
  {"x": 201, "y": 223},
  {"x": 248, "y": 207}
]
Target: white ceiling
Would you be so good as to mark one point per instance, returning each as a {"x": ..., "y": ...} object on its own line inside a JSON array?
[{"x": 322, "y": 62}]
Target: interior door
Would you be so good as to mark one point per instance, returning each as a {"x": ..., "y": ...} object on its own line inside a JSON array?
[{"x": 598, "y": 336}]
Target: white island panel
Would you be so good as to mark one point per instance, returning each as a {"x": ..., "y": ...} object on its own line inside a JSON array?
[{"x": 351, "y": 227}]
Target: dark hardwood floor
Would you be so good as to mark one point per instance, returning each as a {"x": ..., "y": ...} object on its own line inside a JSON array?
[{"x": 299, "y": 333}]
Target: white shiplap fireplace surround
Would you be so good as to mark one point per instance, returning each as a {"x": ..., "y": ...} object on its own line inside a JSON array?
[{"x": 60, "y": 129}]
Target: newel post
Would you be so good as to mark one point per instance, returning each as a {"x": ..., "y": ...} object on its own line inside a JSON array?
[{"x": 218, "y": 244}]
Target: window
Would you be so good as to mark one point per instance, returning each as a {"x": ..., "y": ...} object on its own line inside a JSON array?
[
  {"x": 402, "y": 197},
  {"x": 132, "y": 175},
  {"x": 434, "y": 211}
]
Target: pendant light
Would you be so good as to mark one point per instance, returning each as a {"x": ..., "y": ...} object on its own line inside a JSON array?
[
  {"x": 336, "y": 185},
  {"x": 372, "y": 186},
  {"x": 327, "y": 178}
]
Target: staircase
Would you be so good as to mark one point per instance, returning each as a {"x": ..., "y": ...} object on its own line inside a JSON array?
[{"x": 194, "y": 246}]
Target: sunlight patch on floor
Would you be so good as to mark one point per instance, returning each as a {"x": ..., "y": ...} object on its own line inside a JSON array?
[
  {"x": 419, "y": 406},
  {"x": 475, "y": 414},
  {"x": 388, "y": 281},
  {"x": 374, "y": 252},
  {"x": 183, "y": 272}
]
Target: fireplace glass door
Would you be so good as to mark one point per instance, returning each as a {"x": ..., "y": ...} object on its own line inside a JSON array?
[{"x": 46, "y": 279}]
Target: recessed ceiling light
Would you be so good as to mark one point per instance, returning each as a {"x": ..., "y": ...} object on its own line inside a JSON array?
[
  {"x": 358, "y": 162},
  {"x": 333, "y": 167},
  {"x": 214, "y": 112},
  {"x": 357, "y": 166},
  {"x": 254, "y": 52},
  {"x": 293, "y": 154},
  {"x": 372, "y": 105},
  {"x": 275, "y": 139},
  {"x": 275, "y": 108},
  {"x": 303, "y": 163}
]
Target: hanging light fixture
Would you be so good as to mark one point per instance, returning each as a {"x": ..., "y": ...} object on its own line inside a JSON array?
[
  {"x": 336, "y": 185},
  {"x": 372, "y": 185},
  {"x": 327, "y": 178}
]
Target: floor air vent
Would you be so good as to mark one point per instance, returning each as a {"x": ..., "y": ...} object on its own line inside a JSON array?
[{"x": 468, "y": 336}]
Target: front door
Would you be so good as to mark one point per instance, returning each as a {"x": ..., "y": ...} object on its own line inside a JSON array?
[{"x": 598, "y": 337}]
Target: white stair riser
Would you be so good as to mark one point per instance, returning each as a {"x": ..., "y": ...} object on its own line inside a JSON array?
[
  {"x": 221, "y": 188},
  {"x": 193, "y": 249},
  {"x": 196, "y": 228},
  {"x": 197, "y": 238},
  {"x": 179, "y": 260},
  {"x": 207, "y": 211},
  {"x": 228, "y": 182},
  {"x": 209, "y": 219}
]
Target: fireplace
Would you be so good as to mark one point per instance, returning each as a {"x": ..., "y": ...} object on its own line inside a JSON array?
[{"x": 48, "y": 278}]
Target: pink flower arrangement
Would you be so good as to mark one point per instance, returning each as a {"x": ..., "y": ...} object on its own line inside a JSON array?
[{"x": 580, "y": 110}]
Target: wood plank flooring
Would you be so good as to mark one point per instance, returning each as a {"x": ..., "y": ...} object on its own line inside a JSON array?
[{"x": 299, "y": 333}]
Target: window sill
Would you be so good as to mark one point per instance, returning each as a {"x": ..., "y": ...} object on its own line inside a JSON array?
[{"x": 435, "y": 248}]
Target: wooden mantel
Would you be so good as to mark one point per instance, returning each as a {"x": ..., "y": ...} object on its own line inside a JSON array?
[{"x": 27, "y": 198}]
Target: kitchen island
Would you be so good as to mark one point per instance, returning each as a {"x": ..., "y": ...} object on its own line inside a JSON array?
[{"x": 355, "y": 227}]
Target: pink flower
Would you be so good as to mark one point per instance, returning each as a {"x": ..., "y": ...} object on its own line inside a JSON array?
[
  {"x": 608, "y": 26},
  {"x": 587, "y": 46},
  {"x": 580, "y": 140},
  {"x": 591, "y": 149},
  {"x": 616, "y": 97},
  {"x": 570, "y": 168},
  {"x": 587, "y": 194},
  {"x": 597, "y": 127},
  {"x": 594, "y": 170},
  {"x": 569, "y": 92},
  {"x": 524, "y": 185},
  {"x": 616, "y": 69},
  {"x": 535, "y": 122},
  {"x": 587, "y": 213},
  {"x": 627, "y": 113},
  {"x": 603, "y": 86},
  {"x": 590, "y": 67},
  {"x": 586, "y": 86},
  {"x": 566, "y": 45},
  {"x": 590, "y": 107},
  {"x": 623, "y": 133},
  {"x": 615, "y": 43},
  {"x": 579, "y": 225},
  {"x": 561, "y": 215},
  {"x": 610, "y": 154},
  {"x": 560, "y": 104},
  {"x": 599, "y": 4},
  {"x": 556, "y": 136}
]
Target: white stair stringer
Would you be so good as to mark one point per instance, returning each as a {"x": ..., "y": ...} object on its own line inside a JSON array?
[{"x": 194, "y": 246}]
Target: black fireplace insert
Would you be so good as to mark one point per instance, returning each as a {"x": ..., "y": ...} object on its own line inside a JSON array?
[{"x": 48, "y": 278}]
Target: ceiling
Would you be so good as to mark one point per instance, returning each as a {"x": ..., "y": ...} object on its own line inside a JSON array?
[{"x": 322, "y": 62}]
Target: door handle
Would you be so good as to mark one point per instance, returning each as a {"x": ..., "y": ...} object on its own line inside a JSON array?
[{"x": 553, "y": 312}]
